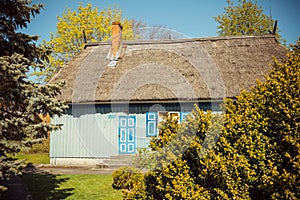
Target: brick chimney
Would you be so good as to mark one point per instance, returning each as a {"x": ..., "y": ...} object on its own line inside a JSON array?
[{"x": 116, "y": 38}]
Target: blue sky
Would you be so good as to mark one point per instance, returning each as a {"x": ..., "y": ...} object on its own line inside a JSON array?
[{"x": 194, "y": 18}]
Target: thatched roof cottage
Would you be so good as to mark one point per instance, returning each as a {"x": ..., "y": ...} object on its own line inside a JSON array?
[{"x": 117, "y": 90}]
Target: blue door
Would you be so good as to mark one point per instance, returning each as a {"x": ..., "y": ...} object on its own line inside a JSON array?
[{"x": 127, "y": 134}]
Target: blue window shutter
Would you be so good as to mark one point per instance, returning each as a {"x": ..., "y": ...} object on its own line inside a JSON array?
[
  {"x": 151, "y": 124},
  {"x": 183, "y": 116}
]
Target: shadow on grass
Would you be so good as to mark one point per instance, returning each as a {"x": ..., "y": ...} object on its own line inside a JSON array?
[{"x": 43, "y": 185}]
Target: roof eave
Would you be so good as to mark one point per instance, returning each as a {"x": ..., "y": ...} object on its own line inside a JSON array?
[{"x": 216, "y": 100}]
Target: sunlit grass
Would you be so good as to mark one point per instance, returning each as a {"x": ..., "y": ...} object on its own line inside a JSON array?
[
  {"x": 34, "y": 158},
  {"x": 71, "y": 186}
]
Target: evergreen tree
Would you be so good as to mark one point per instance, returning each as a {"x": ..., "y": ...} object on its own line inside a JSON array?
[{"x": 21, "y": 100}]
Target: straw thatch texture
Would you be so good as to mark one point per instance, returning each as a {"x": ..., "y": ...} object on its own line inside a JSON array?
[{"x": 188, "y": 69}]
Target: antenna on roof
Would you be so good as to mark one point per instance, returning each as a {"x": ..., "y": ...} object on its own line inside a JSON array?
[
  {"x": 84, "y": 36},
  {"x": 275, "y": 23},
  {"x": 275, "y": 27}
]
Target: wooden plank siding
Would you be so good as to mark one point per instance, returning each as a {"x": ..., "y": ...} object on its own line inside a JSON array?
[{"x": 92, "y": 136}]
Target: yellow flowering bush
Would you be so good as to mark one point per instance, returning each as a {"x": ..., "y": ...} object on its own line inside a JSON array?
[{"x": 252, "y": 152}]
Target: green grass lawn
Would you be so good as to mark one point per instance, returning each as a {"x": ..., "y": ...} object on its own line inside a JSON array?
[
  {"x": 34, "y": 158},
  {"x": 71, "y": 186}
]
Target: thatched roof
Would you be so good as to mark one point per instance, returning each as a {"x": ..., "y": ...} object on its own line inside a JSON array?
[{"x": 170, "y": 70}]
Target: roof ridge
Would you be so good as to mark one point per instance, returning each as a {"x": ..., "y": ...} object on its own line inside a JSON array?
[{"x": 183, "y": 40}]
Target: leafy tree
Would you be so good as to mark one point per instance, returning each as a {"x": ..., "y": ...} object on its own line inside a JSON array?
[
  {"x": 245, "y": 18},
  {"x": 257, "y": 155},
  {"x": 77, "y": 27},
  {"x": 21, "y": 100}
]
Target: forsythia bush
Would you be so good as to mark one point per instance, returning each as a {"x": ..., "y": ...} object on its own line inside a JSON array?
[{"x": 252, "y": 152}]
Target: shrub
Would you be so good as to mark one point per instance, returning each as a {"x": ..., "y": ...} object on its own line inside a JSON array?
[
  {"x": 41, "y": 147},
  {"x": 257, "y": 155},
  {"x": 128, "y": 179}
]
